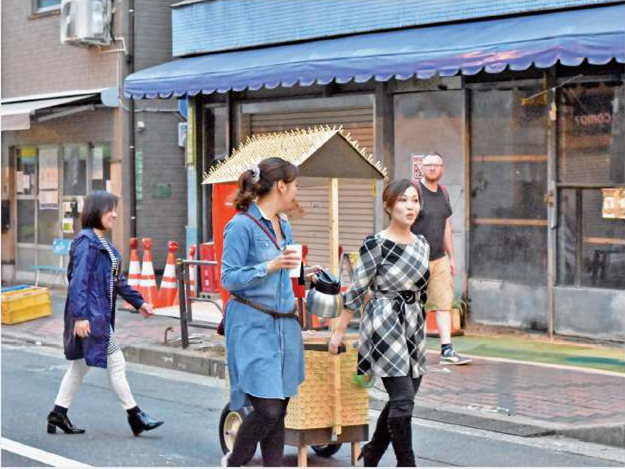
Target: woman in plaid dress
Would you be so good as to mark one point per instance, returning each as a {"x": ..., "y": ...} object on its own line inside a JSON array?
[{"x": 393, "y": 264}]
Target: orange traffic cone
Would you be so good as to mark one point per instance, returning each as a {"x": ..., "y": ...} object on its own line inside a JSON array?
[
  {"x": 168, "y": 292},
  {"x": 134, "y": 268},
  {"x": 147, "y": 287}
]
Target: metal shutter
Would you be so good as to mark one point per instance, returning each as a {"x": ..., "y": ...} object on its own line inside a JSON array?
[{"x": 356, "y": 197}]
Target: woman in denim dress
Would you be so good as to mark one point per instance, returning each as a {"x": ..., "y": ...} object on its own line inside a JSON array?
[{"x": 265, "y": 350}]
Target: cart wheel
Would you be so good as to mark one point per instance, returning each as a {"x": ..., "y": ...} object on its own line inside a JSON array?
[
  {"x": 229, "y": 424},
  {"x": 325, "y": 451}
]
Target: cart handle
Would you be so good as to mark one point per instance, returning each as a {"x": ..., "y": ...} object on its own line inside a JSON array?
[{"x": 323, "y": 347}]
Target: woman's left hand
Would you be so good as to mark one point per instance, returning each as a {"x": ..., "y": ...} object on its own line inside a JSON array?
[
  {"x": 336, "y": 341},
  {"x": 310, "y": 272},
  {"x": 146, "y": 310}
]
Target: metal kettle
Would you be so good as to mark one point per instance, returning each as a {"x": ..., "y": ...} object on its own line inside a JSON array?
[{"x": 324, "y": 297}]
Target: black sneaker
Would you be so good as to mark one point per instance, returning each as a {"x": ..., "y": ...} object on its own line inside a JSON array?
[{"x": 449, "y": 357}]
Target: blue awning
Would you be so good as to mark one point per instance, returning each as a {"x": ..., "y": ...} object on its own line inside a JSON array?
[{"x": 570, "y": 37}]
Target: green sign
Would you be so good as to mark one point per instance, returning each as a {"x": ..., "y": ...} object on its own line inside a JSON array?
[
  {"x": 139, "y": 174},
  {"x": 162, "y": 191}
]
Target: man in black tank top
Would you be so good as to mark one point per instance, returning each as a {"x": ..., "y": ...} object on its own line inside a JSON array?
[{"x": 434, "y": 223}]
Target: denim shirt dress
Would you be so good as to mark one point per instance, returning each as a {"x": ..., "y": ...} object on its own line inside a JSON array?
[{"x": 265, "y": 354}]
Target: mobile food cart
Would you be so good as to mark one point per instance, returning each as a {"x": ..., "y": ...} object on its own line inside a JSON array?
[{"x": 330, "y": 407}]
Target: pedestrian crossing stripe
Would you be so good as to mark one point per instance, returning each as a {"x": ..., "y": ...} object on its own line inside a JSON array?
[{"x": 39, "y": 455}]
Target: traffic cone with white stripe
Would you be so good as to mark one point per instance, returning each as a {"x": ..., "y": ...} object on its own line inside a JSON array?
[
  {"x": 168, "y": 293},
  {"x": 134, "y": 269},
  {"x": 148, "y": 287}
]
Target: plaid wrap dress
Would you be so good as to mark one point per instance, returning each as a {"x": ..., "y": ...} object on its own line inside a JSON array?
[{"x": 392, "y": 325}]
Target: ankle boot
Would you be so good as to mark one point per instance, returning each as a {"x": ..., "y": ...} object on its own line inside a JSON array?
[
  {"x": 400, "y": 429},
  {"x": 372, "y": 452},
  {"x": 141, "y": 422},
  {"x": 57, "y": 419}
]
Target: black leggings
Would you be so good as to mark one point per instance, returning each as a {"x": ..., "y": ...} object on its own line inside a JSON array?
[
  {"x": 401, "y": 393},
  {"x": 265, "y": 424}
]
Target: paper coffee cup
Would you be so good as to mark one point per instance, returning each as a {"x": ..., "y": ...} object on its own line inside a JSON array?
[{"x": 294, "y": 273}]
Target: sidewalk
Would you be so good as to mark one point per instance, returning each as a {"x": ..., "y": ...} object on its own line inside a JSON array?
[{"x": 516, "y": 385}]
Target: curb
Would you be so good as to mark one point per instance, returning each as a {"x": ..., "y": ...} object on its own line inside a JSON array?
[
  {"x": 610, "y": 434},
  {"x": 202, "y": 363},
  {"x": 29, "y": 339}
]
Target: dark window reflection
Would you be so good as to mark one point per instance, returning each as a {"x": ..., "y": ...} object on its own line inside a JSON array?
[
  {"x": 591, "y": 249},
  {"x": 26, "y": 221},
  {"x": 508, "y": 182},
  {"x": 75, "y": 170}
]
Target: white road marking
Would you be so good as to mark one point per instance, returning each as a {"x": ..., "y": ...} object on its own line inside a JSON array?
[
  {"x": 543, "y": 365},
  {"x": 39, "y": 455}
]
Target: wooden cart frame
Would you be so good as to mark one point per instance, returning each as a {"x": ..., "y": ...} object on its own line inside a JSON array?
[{"x": 321, "y": 154}]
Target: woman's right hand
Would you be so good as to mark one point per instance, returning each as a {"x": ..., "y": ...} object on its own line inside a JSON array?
[
  {"x": 288, "y": 259},
  {"x": 81, "y": 328},
  {"x": 336, "y": 341}
]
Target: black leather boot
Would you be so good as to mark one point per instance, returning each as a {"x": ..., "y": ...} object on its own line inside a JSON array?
[
  {"x": 57, "y": 419},
  {"x": 400, "y": 429},
  {"x": 372, "y": 452},
  {"x": 141, "y": 422}
]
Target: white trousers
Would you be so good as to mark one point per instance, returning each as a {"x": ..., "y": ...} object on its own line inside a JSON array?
[{"x": 116, "y": 367}]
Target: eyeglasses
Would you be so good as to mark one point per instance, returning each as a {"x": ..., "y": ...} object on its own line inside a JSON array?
[{"x": 432, "y": 166}]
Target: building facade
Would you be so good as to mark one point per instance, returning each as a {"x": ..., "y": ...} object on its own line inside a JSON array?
[
  {"x": 526, "y": 110},
  {"x": 67, "y": 131}
]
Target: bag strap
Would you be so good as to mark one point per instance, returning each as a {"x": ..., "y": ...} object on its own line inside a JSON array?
[
  {"x": 445, "y": 192},
  {"x": 264, "y": 228}
]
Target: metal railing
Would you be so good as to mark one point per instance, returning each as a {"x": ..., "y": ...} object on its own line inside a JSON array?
[{"x": 188, "y": 297}]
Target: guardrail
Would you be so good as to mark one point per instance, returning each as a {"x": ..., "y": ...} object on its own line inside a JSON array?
[{"x": 187, "y": 297}]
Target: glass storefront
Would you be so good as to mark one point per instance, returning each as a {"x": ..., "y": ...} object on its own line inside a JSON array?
[
  {"x": 508, "y": 181},
  {"x": 51, "y": 182},
  {"x": 591, "y": 122}
]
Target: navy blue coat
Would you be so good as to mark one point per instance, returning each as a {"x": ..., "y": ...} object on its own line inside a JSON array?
[{"x": 89, "y": 275}]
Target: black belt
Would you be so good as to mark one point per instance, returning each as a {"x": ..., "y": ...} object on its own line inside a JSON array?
[
  {"x": 262, "y": 309},
  {"x": 408, "y": 296}
]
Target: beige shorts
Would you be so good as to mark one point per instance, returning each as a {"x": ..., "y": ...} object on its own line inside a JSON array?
[{"x": 441, "y": 286}]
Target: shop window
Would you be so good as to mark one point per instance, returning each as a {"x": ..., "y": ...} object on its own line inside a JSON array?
[
  {"x": 46, "y": 5},
  {"x": 508, "y": 171},
  {"x": 75, "y": 170},
  {"x": 26, "y": 190},
  {"x": 101, "y": 167},
  {"x": 591, "y": 248},
  {"x": 26, "y": 221},
  {"x": 26, "y": 171}
]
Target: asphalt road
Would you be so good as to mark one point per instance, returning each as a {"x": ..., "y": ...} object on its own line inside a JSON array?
[{"x": 191, "y": 406}]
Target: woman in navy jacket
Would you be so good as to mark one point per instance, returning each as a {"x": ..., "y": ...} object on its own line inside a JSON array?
[{"x": 95, "y": 279}]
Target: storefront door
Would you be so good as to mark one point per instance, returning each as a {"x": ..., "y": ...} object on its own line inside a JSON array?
[
  {"x": 590, "y": 281},
  {"x": 508, "y": 214}
]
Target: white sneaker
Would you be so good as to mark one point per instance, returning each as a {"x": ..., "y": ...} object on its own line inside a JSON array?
[
  {"x": 452, "y": 358},
  {"x": 224, "y": 460}
]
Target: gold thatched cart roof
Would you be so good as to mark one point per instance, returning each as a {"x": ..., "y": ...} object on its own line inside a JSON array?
[{"x": 321, "y": 152}]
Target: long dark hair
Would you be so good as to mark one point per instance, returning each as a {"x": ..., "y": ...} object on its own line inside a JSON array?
[
  {"x": 394, "y": 190},
  {"x": 96, "y": 205},
  {"x": 272, "y": 170}
]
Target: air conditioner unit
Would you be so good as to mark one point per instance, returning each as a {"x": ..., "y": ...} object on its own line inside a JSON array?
[{"x": 86, "y": 22}]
